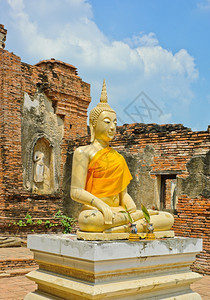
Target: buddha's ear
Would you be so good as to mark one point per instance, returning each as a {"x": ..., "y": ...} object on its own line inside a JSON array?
[{"x": 92, "y": 132}]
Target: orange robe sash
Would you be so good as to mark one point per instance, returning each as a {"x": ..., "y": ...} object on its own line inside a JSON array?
[{"x": 108, "y": 174}]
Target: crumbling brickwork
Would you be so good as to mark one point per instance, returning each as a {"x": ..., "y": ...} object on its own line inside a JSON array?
[
  {"x": 69, "y": 98},
  {"x": 193, "y": 207},
  {"x": 192, "y": 220},
  {"x": 10, "y": 110}
]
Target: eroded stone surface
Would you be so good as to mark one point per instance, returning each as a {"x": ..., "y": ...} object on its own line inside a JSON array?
[
  {"x": 10, "y": 242},
  {"x": 198, "y": 181},
  {"x": 42, "y": 133},
  {"x": 94, "y": 236},
  {"x": 68, "y": 245}
]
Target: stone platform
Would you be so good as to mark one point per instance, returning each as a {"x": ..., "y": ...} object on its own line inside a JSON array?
[{"x": 75, "y": 269}]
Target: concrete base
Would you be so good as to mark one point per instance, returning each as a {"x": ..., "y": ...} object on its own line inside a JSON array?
[
  {"x": 73, "y": 269},
  {"x": 102, "y": 236}
]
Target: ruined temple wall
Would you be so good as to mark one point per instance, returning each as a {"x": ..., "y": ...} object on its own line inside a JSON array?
[
  {"x": 192, "y": 220},
  {"x": 15, "y": 201},
  {"x": 10, "y": 108},
  {"x": 70, "y": 97},
  {"x": 2, "y": 187},
  {"x": 64, "y": 98},
  {"x": 173, "y": 145}
]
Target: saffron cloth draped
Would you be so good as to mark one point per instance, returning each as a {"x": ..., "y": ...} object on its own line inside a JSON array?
[{"x": 108, "y": 173}]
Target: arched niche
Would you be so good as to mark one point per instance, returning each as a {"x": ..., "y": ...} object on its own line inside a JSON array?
[{"x": 43, "y": 167}]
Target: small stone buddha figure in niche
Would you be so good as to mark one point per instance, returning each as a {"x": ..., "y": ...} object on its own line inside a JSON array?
[
  {"x": 100, "y": 177},
  {"x": 39, "y": 167}
]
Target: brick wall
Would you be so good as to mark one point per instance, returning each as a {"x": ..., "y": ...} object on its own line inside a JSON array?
[
  {"x": 70, "y": 98},
  {"x": 70, "y": 95},
  {"x": 174, "y": 144},
  {"x": 11, "y": 169},
  {"x": 193, "y": 220}
]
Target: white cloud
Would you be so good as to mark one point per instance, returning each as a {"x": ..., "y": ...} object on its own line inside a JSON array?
[
  {"x": 146, "y": 40},
  {"x": 133, "y": 65},
  {"x": 204, "y": 5}
]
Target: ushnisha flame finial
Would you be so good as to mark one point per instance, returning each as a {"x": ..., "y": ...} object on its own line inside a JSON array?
[
  {"x": 103, "y": 98},
  {"x": 96, "y": 111},
  {"x": 100, "y": 107}
]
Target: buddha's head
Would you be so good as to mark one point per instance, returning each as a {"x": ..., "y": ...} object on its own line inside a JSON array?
[{"x": 101, "y": 113}]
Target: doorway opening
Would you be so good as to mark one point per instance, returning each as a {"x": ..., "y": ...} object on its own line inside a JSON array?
[{"x": 166, "y": 190}]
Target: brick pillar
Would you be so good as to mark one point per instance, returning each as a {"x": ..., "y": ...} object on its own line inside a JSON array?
[{"x": 10, "y": 125}]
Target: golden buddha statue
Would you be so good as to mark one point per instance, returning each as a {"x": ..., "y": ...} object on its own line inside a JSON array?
[{"x": 100, "y": 177}]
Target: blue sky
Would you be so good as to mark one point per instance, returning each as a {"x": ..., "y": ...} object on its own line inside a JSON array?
[{"x": 153, "y": 54}]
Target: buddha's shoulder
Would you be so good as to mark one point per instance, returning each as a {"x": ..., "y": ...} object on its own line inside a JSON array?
[{"x": 83, "y": 150}]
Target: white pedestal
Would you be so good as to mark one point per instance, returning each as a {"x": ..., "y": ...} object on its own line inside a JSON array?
[{"x": 74, "y": 269}]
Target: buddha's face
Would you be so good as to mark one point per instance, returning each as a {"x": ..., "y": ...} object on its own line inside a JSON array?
[{"x": 105, "y": 128}]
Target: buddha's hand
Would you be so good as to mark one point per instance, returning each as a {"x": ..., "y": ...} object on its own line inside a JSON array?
[
  {"x": 131, "y": 208},
  {"x": 128, "y": 203},
  {"x": 105, "y": 209}
]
